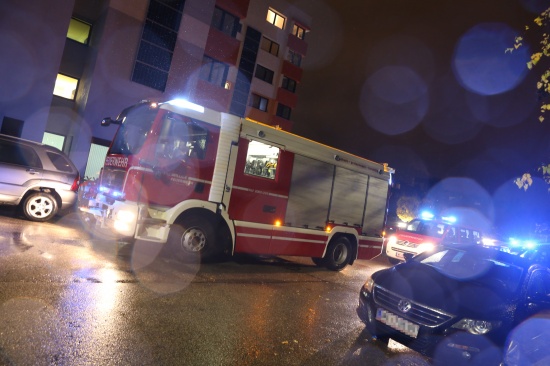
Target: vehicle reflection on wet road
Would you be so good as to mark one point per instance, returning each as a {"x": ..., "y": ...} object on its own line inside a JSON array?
[{"x": 69, "y": 297}]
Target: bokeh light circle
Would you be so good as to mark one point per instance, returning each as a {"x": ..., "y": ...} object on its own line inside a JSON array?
[
  {"x": 394, "y": 100},
  {"x": 481, "y": 64},
  {"x": 470, "y": 203}
]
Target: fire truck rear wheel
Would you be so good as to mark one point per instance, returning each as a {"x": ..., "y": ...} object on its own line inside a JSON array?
[
  {"x": 191, "y": 237},
  {"x": 338, "y": 254}
]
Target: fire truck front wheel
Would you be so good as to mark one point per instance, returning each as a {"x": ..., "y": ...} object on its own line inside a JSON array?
[
  {"x": 191, "y": 237},
  {"x": 338, "y": 254}
]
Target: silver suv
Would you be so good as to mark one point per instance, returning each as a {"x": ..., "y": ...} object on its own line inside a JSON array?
[{"x": 39, "y": 178}]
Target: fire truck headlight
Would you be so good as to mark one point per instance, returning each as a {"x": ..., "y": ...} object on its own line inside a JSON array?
[
  {"x": 121, "y": 226},
  {"x": 124, "y": 221},
  {"x": 425, "y": 247},
  {"x": 125, "y": 216},
  {"x": 392, "y": 240}
]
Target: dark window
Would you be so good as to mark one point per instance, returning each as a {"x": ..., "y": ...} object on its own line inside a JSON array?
[
  {"x": 258, "y": 102},
  {"x": 283, "y": 111},
  {"x": 149, "y": 76},
  {"x": 289, "y": 84},
  {"x": 264, "y": 74},
  {"x": 270, "y": 46},
  {"x": 60, "y": 162},
  {"x": 12, "y": 153},
  {"x": 158, "y": 40},
  {"x": 12, "y": 127},
  {"x": 294, "y": 58},
  {"x": 213, "y": 71},
  {"x": 225, "y": 22}
]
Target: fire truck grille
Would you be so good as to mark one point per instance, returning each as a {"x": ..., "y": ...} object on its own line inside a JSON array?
[
  {"x": 418, "y": 313},
  {"x": 406, "y": 243}
]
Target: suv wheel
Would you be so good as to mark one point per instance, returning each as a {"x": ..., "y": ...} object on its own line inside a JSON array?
[{"x": 39, "y": 206}]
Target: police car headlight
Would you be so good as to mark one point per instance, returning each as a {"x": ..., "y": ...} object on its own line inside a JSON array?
[{"x": 476, "y": 326}]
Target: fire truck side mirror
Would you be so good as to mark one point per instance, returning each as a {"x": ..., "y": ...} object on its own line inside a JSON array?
[{"x": 108, "y": 120}]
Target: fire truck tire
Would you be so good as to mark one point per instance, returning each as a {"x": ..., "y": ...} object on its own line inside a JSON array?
[
  {"x": 192, "y": 236},
  {"x": 39, "y": 206},
  {"x": 338, "y": 254}
]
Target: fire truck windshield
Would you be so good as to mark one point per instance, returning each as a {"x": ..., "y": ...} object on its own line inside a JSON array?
[{"x": 134, "y": 129}]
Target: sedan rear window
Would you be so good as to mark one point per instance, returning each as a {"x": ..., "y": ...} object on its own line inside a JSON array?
[{"x": 60, "y": 162}]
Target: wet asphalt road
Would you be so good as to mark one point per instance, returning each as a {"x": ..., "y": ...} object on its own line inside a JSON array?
[{"x": 70, "y": 298}]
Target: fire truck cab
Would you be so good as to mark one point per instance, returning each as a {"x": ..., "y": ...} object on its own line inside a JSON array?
[{"x": 208, "y": 183}]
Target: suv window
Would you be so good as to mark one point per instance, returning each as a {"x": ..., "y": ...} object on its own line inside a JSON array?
[
  {"x": 12, "y": 153},
  {"x": 60, "y": 162}
]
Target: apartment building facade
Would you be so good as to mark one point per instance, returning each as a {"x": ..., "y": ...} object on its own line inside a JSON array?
[{"x": 70, "y": 63}]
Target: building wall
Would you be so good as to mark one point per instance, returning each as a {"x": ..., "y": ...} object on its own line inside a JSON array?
[
  {"x": 35, "y": 32},
  {"x": 32, "y": 39}
]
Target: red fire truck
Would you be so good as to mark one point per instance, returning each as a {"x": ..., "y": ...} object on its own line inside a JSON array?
[{"x": 208, "y": 183}]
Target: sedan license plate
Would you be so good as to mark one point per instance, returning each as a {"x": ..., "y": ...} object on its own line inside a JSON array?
[{"x": 398, "y": 323}]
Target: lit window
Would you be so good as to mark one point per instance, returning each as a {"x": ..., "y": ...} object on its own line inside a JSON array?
[
  {"x": 258, "y": 102},
  {"x": 298, "y": 31},
  {"x": 96, "y": 158},
  {"x": 65, "y": 86},
  {"x": 79, "y": 31},
  {"x": 54, "y": 140},
  {"x": 270, "y": 46},
  {"x": 276, "y": 19},
  {"x": 261, "y": 160}
]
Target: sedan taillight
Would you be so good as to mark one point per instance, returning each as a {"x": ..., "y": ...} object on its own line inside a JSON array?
[{"x": 76, "y": 183}]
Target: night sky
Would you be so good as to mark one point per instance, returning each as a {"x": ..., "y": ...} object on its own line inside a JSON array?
[{"x": 427, "y": 87}]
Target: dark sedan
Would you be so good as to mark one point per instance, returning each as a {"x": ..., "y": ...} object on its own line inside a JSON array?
[{"x": 459, "y": 304}]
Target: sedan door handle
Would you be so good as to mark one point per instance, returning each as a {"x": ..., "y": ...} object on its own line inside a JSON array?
[{"x": 32, "y": 171}]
